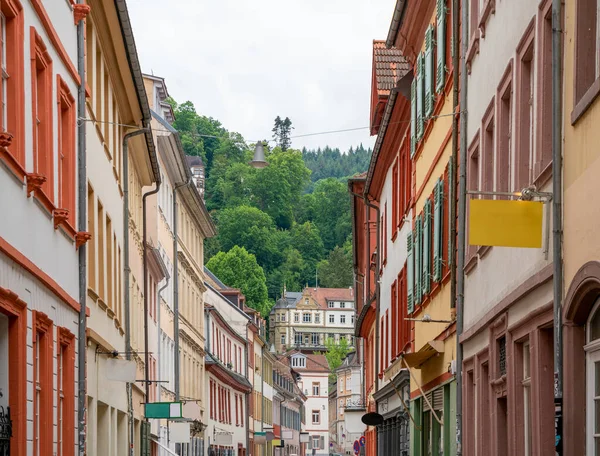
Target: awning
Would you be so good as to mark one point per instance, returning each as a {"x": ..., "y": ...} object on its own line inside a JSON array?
[{"x": 427, "y": 351}]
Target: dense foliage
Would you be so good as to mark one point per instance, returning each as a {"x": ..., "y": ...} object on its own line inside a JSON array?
[
  {"x": 275, "y": 225},
  {"x": 335, "y": 354},
  {"x": 330, "y": 162}
]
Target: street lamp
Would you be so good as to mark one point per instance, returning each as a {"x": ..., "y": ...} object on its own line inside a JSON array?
[{"x": 259, "y": 156}]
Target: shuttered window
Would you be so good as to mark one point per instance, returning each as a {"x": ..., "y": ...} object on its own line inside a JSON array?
[
  {"x": 438, "y": 224},
  {"x": 440, "y": 46},
  {"x": 426, "y": 263},
  {"x": 413, "y": 117},
  {"x": 418, "y": 259},
  {"x": 429, "y": 72},
  {"x": 409, "y": 273},
  {"x": 420, "y": 96}
]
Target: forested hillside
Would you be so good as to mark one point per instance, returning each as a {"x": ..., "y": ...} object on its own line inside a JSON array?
[{"x": 277, "y": 225}]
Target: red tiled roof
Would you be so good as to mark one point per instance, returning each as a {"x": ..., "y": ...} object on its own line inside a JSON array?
[
  {"x": 322, "y": 295},
  {"x": 314, "y": 362},
  {"x": 390, "y": 65}
]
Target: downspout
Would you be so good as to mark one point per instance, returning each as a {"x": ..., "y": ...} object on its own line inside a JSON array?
[
  {"x": 462, "y": 206},
  {"x": 557, "y": 217},
  {"x": 145, "y": 267},
  {"x": 246, "y": 396},
  {"x": 127, "y": 271},
  {"x": 176, "y": 289},
  {"x": 377, "y": 290},
  {"x": 454, "y": 157},
  {"x": 82, "y": 226},
  {"x": 158, "y": 321}
]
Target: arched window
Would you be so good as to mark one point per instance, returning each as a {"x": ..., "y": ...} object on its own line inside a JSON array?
[{"x": 593, "y": 381}]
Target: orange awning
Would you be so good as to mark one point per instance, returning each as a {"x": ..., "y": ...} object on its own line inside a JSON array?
[{"x": 427, "y": 351}]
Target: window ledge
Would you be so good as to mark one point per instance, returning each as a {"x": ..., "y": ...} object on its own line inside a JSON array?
[
  {"x": 473, "y": 49},
  {"x": 544, "y": 176},
  {"x": 9, "y": 159},
  {"x": 488, "y": 9},
  {"x": 483, "y": 250},
  {"x": 470, "y": 264},
  {"x": 585, "y": 102}
]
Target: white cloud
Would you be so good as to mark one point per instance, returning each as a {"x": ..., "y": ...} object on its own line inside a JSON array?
[{"x": 245, "y": 62}]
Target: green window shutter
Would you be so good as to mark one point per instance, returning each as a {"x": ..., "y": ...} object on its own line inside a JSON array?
[
  {"x": 420, "y": 96},
  {"x": 438, "y": 226},
  {"x": 409, "y": 272},
  {"x": 418, "y": 259},
  {"x": 145, "y": 438},
  {"x": 451, "y": 201},
  {"x": 413, "y": 117},
  {"x": 441, "y": 46},
  {"x": 427, "y": 248},
  {"x": 429, "y": 93}
]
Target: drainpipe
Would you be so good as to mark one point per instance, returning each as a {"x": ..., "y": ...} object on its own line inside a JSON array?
[
  {"x": 377, "y": 291},
  {"x": 82, "y": 226},
  {"x": 462, "y": 205},
  {"x": 557, "y": 216},
  {"x": 127, "y": 271},
  {"x": 176, "y": 288},
  {"x": 145, "y": 267},
  {"x": 455, "y": 147},
  {"x": 246, "y": 396}
]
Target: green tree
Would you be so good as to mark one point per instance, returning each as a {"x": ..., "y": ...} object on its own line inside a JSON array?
[
  {"x": 282, "y": 131},
  {"x": 336, "y": 270},
  {"x": 238, "y": 269},
  {"x": 332, "y": 212},
  {"x": 335, "y": 354},
  {"x": 252, "y": 229}
]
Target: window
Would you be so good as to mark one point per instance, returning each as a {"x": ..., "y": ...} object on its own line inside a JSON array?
[
  {"x": 487, "y": 150},
  {"x": 330, "y": 304},
  {"x": 306, "y": 301},
  {"x": 277, "y": 317},
  {"x": 526, "y": 383},
  {"x": 342, "y": 305},
  {"x": 315, "y": 388},
  {"x": 317, "y": 318},
  {"x": 306, "y": 318},
  {"x": 298, "y": 361},
  {"x": 352, "y": 319},
  {"x": 282, "y": 317},
  {"x": 282, "y": 339},
  {"x": 331, "y": 318},
  {"x": 587, "y": 44},
  {"x": 316, "y": 419},
  {"x": 544, "y": 104},
  {"x": 343, "y": 319},
  {"x": 504, "y": 134},
  {"x": 473, "y": 181},
  {"x": 395, "y": 198},
  {"x": 298, "y": 338},
  {"x": 12, "y": 84},
  {"x": 473, "y": 18},
  {"x": 65, "y": 390},
  {"x": 41, "y": 96},
  {"x": 524, "y": 109},
  {"x": 296, "y": 317},
  {"x": 315, "y": 339},
  {"x": 394, "y": 305},
  {"x": 43, "y": 383}
]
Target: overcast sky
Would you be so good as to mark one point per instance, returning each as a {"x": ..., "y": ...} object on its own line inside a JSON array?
[{"x": 244, "y": 62}]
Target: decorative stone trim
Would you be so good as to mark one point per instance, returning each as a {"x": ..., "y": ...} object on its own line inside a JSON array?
[
  {"x": 61, "y": 216},
  {"x": 34, "y": 183},
  {"x": 80, "y": 11},
  {"x": 5, "y": 139},
  {"x": 81, "y": 238}
]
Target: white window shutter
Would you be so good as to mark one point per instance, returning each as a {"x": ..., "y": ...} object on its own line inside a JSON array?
[
  {"x": 438, "y": 225},
  {"x": 420, "y": 96},
  {"x": 427, "y": 247},
  {"x": 413, "y": 117},
  {"x": 409, "y": 273},
  {"x": 441, "y": 46},
  {"x": 429, "y": 72}
]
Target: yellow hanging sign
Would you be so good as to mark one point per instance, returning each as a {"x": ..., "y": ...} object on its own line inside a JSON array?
[{"x": 505, "y": 223}]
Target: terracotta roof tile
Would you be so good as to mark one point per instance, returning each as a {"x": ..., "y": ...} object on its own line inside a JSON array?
[
  {"x": 322, "y": 295},
  {"x": 390, "y": 65}
]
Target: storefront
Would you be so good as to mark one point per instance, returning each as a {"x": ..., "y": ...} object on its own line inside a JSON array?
[{"x": 393, "y": 436}]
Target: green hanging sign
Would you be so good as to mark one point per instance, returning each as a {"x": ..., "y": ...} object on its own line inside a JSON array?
[{"x": 163, "y": 410}]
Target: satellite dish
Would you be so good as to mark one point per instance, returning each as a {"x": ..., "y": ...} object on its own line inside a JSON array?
[{"x": 372, "y": 419}]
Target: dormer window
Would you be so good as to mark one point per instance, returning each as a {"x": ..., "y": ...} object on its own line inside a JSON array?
[
  {"x": 331, "y": 304},
  {"x": 298, "y": 361}
]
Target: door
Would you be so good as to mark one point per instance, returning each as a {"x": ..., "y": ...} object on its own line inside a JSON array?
[{"x": 593, "y": 402}]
